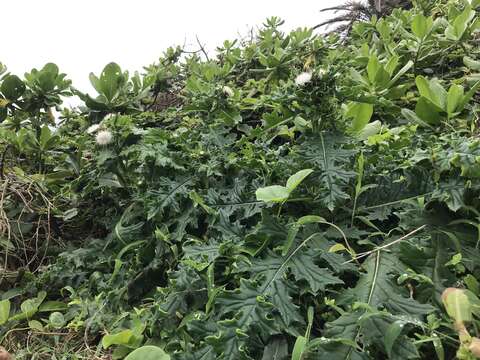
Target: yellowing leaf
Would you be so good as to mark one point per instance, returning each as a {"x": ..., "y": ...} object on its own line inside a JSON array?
[
  {"x": 274, "y": 193},
  {"x": 337, "y": 248},
  {"x": 457, "y": 305},
  {"x": 35, "y": 325},
  {"x": 4, "y": 311},
  {"x": 474, "y": 347},
  {"x": 310, "y": 219},
  {"x": 124, "y": 337},
  {"x": 4, "y": 102},
  {"x": 295, "y": 180}
]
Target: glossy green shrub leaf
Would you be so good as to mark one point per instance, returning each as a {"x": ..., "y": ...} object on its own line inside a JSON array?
[
  {"x": 427, "y": 112},
  {"x": 12, "y": 87},
  {"x": 360, "y": 113},
  {"x": 110, "y": 81},
  {"x": 468, "y": 96},
  {"x": 454, "y": 98},
  {"x": 373, "y": 67},
  {"x": 400, "y": 73},
  {"x": 413, "y": 117},
  {"x": 370, "y": 129},
  {"x": 456, "y": 30},
  {"x": 47, "y": 76},
  {"x": 471, "y": 63},
  {"x": 421, "y": 25},
  {"x": 432, "y": 91}
]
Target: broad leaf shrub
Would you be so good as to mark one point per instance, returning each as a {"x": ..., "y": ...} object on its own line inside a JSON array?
[{"x": 307, "y": 197}]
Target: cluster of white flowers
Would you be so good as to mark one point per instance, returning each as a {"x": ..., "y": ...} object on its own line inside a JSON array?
[
  {"x": 303, "y": 78},
  {"x": 227, "y": 90},
  {"x": 104, "y": 137}
]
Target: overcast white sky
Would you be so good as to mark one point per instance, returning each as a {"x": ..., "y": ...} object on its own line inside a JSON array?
[{"x": 82, "y": 36}]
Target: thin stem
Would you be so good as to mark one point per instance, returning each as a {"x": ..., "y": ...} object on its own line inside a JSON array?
[
  {"x": 362, "y": 255},
  {"x": 280, "y": 209}
]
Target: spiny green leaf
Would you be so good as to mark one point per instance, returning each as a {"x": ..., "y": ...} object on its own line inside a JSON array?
[
  {"x": 377, "y": 289},
  {"x": 276, "y": 349},
  {"x": 393, "y": 332},
  {"x": 303, "y": 268}
]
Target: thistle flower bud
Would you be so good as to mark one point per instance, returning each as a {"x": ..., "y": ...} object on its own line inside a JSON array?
[
  {"x": 303, "y": 78},
  {"x": 228, "y": 91},
  {"x": 104, "y": 137}
]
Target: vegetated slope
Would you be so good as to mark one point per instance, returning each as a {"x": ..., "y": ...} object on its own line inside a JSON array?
[{"x": 296, "y": 197}]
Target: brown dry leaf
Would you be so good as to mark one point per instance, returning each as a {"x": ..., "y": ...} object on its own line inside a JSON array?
[
  {"x": 4, "y": 354},
  {"x": 475, "y": 347},
  {"x": 448, "y": 291}
]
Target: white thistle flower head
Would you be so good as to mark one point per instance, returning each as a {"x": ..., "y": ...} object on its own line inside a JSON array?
[
  {"x": 104, "y": 137},
  {"x": 227, "y": 90},
  {"x": 93, "y": 128},
  {"x": 303, "y": 78}
]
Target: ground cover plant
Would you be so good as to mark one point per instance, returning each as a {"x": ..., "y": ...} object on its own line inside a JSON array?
[{"x": 297, "y": 196}]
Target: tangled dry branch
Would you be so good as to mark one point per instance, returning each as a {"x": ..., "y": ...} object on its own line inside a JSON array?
[{"x": 25, "y": 225}]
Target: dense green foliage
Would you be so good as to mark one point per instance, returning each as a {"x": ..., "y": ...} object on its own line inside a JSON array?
[{"x": 307, "y": 197}]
